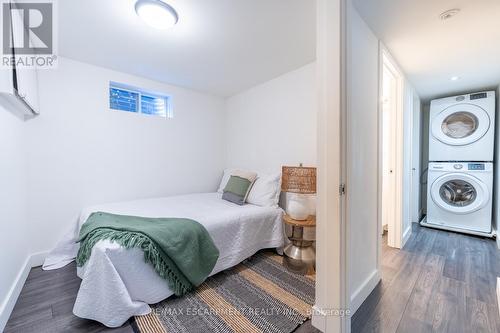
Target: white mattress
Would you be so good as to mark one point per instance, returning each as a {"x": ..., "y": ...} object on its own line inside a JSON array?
[{"x": 117, "y": 284}]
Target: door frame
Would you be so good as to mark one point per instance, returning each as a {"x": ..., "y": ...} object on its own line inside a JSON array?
[
  {"x": 395, "y": 234},
  {"x": 330, "y": 311}
]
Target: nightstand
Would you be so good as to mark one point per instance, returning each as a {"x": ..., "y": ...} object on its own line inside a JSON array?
[{"x": 300, "y": 255}]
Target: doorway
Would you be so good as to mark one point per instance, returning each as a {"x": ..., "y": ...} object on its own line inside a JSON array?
[{"x": 391, "y": 149}]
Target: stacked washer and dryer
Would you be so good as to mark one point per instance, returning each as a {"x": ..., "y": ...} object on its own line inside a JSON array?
[{"x": 460, "y": 173}]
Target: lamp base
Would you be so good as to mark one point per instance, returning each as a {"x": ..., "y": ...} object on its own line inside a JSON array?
[
  {"x": 300, "y": 206},
  {"x": 297, "y": 210},
  {"x": 298, "y": 217},
  {"x": 299, "y": 259}
]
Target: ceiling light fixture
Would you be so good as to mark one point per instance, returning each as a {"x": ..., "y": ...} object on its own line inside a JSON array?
[
  {"x": 449, "y": 14},
  {"x": 454, "y": 78},
  {"x": 156, "y": 13}
]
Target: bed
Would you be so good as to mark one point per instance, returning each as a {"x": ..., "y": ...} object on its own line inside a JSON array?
[{"x": 116, "y": 282}]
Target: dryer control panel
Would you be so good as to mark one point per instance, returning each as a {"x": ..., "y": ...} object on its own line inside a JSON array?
[{"x": 475, "y": 166}]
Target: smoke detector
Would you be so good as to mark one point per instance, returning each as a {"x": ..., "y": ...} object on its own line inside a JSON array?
[{"x": 449, "y": 14}]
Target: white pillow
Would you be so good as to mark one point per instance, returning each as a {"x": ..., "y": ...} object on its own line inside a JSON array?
[{"x": 266, "y": 191}]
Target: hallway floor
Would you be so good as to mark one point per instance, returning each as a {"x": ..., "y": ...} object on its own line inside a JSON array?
[{"x": 439, "y": 282}]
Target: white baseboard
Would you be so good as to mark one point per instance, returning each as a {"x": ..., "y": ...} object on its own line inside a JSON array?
[
  {"x": 9, "y": 302},
  {"x": 359, "y": 296},
  {"x": 406, "y": 235},
  {"x": 37, "y": 259},
  {"x": 7, "y": 306}
]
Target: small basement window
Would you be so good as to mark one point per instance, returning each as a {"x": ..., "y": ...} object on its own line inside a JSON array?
[{"x": 130, "y": 99}]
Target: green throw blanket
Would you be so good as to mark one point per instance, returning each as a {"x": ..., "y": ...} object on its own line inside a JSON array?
[{"x": 180, "y": 250}]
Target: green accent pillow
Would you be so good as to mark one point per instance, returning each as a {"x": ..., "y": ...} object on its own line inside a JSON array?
[{"x": 236, "y": 190}]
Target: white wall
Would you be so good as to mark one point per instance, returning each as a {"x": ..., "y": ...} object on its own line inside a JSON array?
[
  {"x": 273, "y": 124},
  {"x": 82, "y": 153},
  {"x": 362, "y": 157},
  {"x": 15, "y": 240}
]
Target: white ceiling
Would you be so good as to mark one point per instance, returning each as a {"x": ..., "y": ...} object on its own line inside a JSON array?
[
  {"x": 219, "y": 46},
  {"x": 431, "y": 51}
]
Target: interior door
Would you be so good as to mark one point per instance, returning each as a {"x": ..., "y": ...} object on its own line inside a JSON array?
[
  {"x": 415, "y": 160},
  {"x": 393, "y": 199},
  {"x": 389, "y": 139}
]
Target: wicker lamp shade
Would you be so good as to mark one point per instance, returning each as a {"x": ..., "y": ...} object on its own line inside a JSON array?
[{"x": 299, "y": 180}]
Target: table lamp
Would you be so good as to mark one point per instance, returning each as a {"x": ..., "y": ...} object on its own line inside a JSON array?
[{"x": 302, "y": 182}]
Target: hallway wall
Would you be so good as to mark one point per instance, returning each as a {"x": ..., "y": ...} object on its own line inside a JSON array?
[
  {"x": 15, "y": 245},
  {"x": 362, "y": 157}
]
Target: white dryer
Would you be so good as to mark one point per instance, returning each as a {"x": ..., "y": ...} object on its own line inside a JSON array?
[
  {"x": 462, "y": 128},
  {"x": 459, "y": 197}
]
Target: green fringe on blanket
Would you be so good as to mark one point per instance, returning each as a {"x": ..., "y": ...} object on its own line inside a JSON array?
[{"x": 129, "y": 240}]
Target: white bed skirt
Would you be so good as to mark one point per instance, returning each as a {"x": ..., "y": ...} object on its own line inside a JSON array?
[{"x": 117, "y": 284}]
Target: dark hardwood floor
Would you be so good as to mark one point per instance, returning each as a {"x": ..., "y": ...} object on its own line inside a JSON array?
[
  {"x": 46, "y": 303},
  {"x": 439, "y": 282}
]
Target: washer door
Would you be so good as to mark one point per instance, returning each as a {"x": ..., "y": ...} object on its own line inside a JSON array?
[
  {"x": 459, "y": 193},
  {"x": 461, "y": 124}
]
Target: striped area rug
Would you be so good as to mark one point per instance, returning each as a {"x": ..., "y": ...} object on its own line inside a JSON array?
[{"x": 259, "y": 295}]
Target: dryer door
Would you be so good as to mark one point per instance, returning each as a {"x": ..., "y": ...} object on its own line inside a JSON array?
[
  {"x": 461, "y": 124},
  {"x": 459, "y": 193}
]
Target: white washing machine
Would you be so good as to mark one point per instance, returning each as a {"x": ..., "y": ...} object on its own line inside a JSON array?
[
  {"x": 459, "y": 197},
  {"x": 462, "y": 128}
]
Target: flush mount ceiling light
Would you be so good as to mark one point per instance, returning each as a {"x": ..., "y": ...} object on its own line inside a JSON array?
[
  {"x": 156, "y": 13},
  {"x": 449, "y": 14},
  {"x": 454, "y": 78}
]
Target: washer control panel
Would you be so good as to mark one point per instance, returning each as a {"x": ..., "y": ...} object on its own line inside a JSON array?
[
  {"x": 478, "y": 96},
  {"x": 460, "y": 167}
]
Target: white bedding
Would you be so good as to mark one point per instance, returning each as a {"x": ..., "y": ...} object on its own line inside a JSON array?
[{"x": 117, "y": 284}]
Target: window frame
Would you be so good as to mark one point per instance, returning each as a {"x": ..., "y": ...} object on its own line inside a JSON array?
[{"x": 141, "y": 92}]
